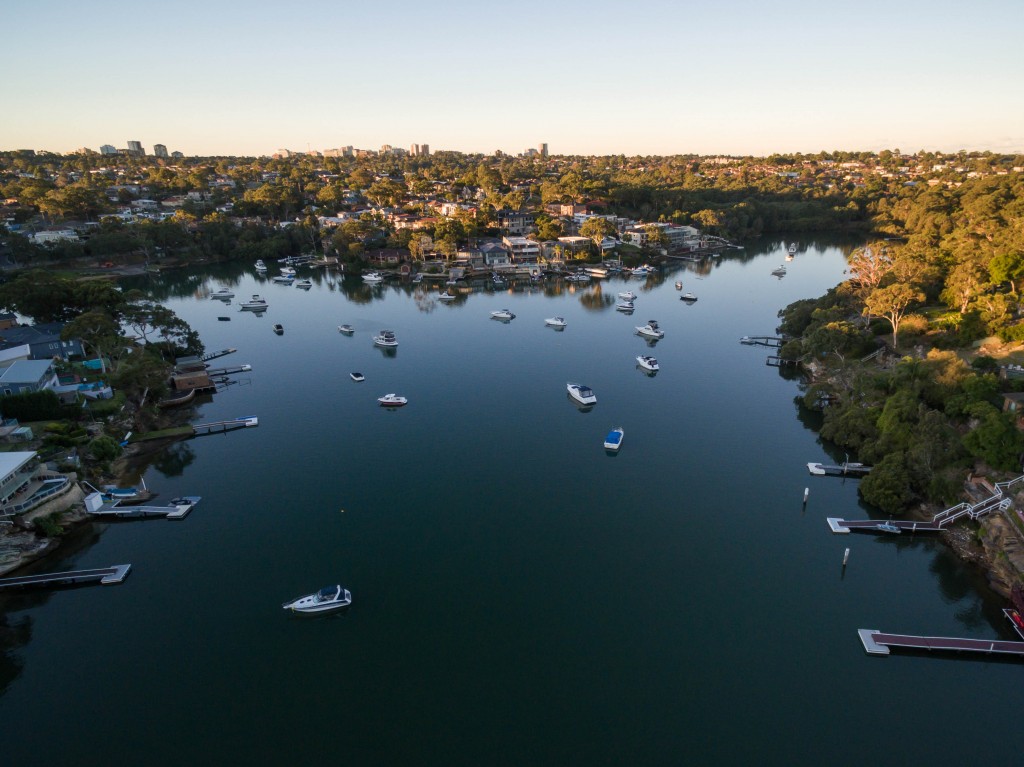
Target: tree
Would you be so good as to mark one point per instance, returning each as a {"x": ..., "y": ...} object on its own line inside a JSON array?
[
  {"x": 963, "y": 283},
  {"x": 1007, "y": 266},
  {"x": 96, "y": 330},
  {"x": 597, "y": 229},
  {"x": 892, "y": 303},
  {"x": 887, "y": 486},
  {"x": 868, "y": 265}
]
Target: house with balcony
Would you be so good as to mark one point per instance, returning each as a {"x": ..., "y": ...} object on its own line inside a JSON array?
[
  {"x": 24, "y": 484},
  {"x": 27, "y": 376},
  {"x": 521, "y": 249},
  {"x": 515, "y": 222},
  {"x": 43, "y": 340}
]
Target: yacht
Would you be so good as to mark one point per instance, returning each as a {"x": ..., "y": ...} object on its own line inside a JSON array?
[
  {"x": 304, "y": 284},
  {"x": 346, "y": 329},
  {"x": 641, "y": 271},
  {"x": 283, "y": 279},
  {"x": 326, "y": 600},
  {"x": 255, "y": 304},
  {"x": 614, "y": 439},
  {"x": 386, "y": 338},
  {"x": 502, "y": 314},
  {"x": 555, "y": 322},
  {"x": 780, "y": 270},
  {"x": 582, "y": 394},
  {"x": 392, "y": 400},
  {"x": 629, "y": 295},
  {"x": 287, "y": 271},
  {"x": 688, "y": 297},
  {"x": 625, "y": 306},
  {"x": 373, "y": 277},
  {"x": 647, "y": 363},
  {"x": 357, "y": 377},
  {"x": 446, "y": 296},
  {"x": 224, "y": 294},
  {"x": 260, "y": 266},
  {"x": 792, "y": 249},
  {"x": 651, "y": 330}
]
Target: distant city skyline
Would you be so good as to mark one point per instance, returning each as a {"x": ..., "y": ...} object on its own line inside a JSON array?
[{"x": 654, "y": 77}]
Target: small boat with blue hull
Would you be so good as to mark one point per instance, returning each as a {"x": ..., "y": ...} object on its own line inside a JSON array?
[{"x": 613, "y": 441}]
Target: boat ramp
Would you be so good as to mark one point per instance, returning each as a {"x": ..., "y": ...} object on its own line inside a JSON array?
[
  {"x": 177, "y": 509},
  {"x": 105, "y": 576}
]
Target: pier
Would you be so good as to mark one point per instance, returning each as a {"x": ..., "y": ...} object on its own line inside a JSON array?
[
  {"x": 219, "y": 427},
  {"x": 229, "y": 370},
  {"x": 777, "y": 362},
  {"x": 845, "y": 469},
  {"x": 214, "y": 355},
  {"x": 178, "y": 508},
  {"x": 772, "y": 341},
  {"x": 105, "y": 576},
  {"x": 878, "y": 643}
]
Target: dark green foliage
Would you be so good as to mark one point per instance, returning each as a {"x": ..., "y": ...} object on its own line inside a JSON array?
[
  {"x": 104, "y": 449},
  {"x": 36, "y": 406},
  {"x": 888, "y": 484},
  {"x": 995, "y": 438}
]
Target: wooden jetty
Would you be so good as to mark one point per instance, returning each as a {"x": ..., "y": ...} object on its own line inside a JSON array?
[
  {"x": 777, "y": 362},
  {"x": 229, "y": 370},
  {"x": 105, "y": 576},
  {"x": 845, "y": 469},
  {"x": 878, "y": 643},
  {"x": 214, "y": 355},
  {"x": 178, "y": 508},
  {"x": 218, "y": 427},
  {"x": 772, "y": 341},
  {"x": 837, "y": 525}
]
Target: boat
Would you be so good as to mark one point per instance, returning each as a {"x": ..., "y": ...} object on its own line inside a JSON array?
[
  {"x": 577, "y": 277},
  {"x": 287, "y": 271},
  {"x": 279, "y": 329},
  {"x": 688, "y": 297},
  {"x": 327, "y": 600},
  {"x": 497, "y": 280},
  {"x": 679, "y": 285},
  {"x": 599, "y": 272},
  {"x": 283, "y": 279},
  {"x": 640, "y": 271},
  {"x": 582, "y": 394},
  {"x": 357, "y": 377},
  {"x": 373, "y": 277},
  {"x": 446, "y": 296},
  {"x": 629, "y": 295},
  {"x": 555, "y": 322},
  {"x": 792, "y": 249},
  {"x": 224, "y": 319},
  {"x": 255, "y": 304},
  {"x": 223, "y": 294},
  {"x": 888, "y": 527},
  {"x": 614, "y": 439},
  {"x": 260, "y": 266},
  {"x": 347, "y": 329},
  {"x": 502, "y": 314},
  {"x": 305, "y": 284},
  {"x": 647, "y": 363},
  {"x": 780, "y": 270},
  {"x": 625, "y": 306},
  {"x": 747, "y": 340},
  {"x": 386, "y": 338},
  {"x": 392, "y": 400},
  {"x": 417, "y": 279},
  {"x": 651, "y": 330}
]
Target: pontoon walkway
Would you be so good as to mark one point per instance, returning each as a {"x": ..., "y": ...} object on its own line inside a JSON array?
[
  {"x": 878, "y": 643},
  {"x": 105, "y": 576},
  {"x": 177, "y": 509}
]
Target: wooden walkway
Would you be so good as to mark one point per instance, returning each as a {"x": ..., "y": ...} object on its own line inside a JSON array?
[
  {"x": 218, "y": 427},
  {"x": 104, "y": 576},
  {"x": 176, "y": 509},
  {"x": 878, "y": 643}
]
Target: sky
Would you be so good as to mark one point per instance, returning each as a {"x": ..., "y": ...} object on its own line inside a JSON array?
[{"x": 648, "y": 77}]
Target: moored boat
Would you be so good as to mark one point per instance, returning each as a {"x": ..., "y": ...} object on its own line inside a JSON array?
[
  {"x": 357, "y": 377},
  {"x": 780, "y": 270},
  {"x": 287, "y": 271},
  {"x": 255, "y": 304},
  {"x": 582, "y": 394},
  {"x": 629, "y": 295},
  {"x": 625, "y": 306},
  {"x": 373, "y": 277},
  {"x": 888, "y": 527},
  {"x": 386, "y": 339},
  {"x": 346, "y": 329},
  {"x": 648, "y": 363},
  {"x": 688, "y": 297},
  {"x": 446, "y": 296},
  {"x": 279, "y": 329},
  {"x": 327, "y": 600},
  {"x": 555, "y": 322},
  {"x": 222, "y": 293},
  {"x": 283, "y": 279},
  {"x": 613, "y": 441},
  {"x": 392, "y": 400},
  {"x": 260, "y": 266},
  {"x": 502, "y": 314},
  {"x": 305, "y": 284},
  {"x": 651, "y": 330}
]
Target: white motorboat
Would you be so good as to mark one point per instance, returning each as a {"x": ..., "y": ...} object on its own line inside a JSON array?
[
  {"x": 255, "y": 304},
  {"x": 346, "y": 329},
  {"x": 640, "y": 271},
  {"x": 283, "y": 279},
  {"x": 417, "y": 279},
  {"x": 260, "y": 266},
  {"x": 392, "y": 400},
  {"x": 614, "y": 439},
  {"x": 792, "y": 249},
  {"x": 446, "y": 296},
  {"x": 555, "y": 322},
  {"x": 373, "y": 277},
  {"x": 688, "y": 297},
  {"x": 780, "y": 270},
  {"x": 305, "y": 284},
  {"x": 224, "y": 294},
  {"x": 577, "y": 277},
  {"x": 502, "y": 314},
  {"x": 582, "y": 394},
  {"x": 747, "y": 340},
  {"x": 287, "y": 271},
  {"x": 629, "y": 295},
  {"x": 386, "y": 339},
  {"x": 326, "y": 600},
  {"x": 625, "y": 306},
  {"x": 647, "y": 363},
  {"x": 651, "y": 330},
  {"x": 679, "y": 286},
  {"x": 357, "y": 377},
  {"x": 888, "y": 527}
]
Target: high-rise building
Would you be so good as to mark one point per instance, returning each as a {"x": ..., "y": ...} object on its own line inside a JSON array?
[
  {"x": 414, "y": 150},
  {"x": 108, "y": 149},
  {"x": 543, "y": 149},
  {"x": 159, "y": 150},
  {"x": 177, "y": 155},
  {"x": 425, "y": 150}
]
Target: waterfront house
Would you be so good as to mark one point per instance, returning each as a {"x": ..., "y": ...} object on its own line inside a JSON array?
[
  {"x": 27, "y": 376},
  {"x": 43, "y": 340},
  {"x": 522, "y": 249}
]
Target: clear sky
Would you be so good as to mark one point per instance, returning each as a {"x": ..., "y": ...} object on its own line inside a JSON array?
[{"x": 641, "y": 77}]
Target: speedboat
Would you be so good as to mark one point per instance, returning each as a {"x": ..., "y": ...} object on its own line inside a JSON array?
[
  {"x": 279, "y": 329},
  {"x": 555, "y": 322},
  {"x": 287, "y": 271},
  {"x": 629, "y": 295},
  {"x": 446, "y": 296},
  {"x": 780, "y": 270},
  {"x": 747, "y": 340},
  {"x": 647, "y": 363},
  {"x": 373, "y": 277},
  {"x": 260, "y": 266},
  {"x": 651, "y": 330},
  {"x": 502, "y": 314},
  {"x": 305, "y": 284},
  {"x": 224, "y": 294},
  {"x": 625, "y": 306},
  {"x": 640, "y": 271},
  {"x": 386, "y": 338},
  {"x": 582, "y": 394},
  {"x": 255, "y": 304},
  {"x": 326, "y": 600},
  {"x": 283, "y": 279},
  {"x": 614, "y": 439},
  {"x": 577, "y": 277},
  {"x": 357, "y": 377},
  {"x": 346, "y": 329},
  {"x": 688, "y": 297},
  {"x": 888, "y": 527},
  {"x": 392, "y": 400}
]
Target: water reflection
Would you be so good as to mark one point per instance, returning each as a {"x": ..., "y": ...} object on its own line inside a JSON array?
[{"x": 173, "y": 461}]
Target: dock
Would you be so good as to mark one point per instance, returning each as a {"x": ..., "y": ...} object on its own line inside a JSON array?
[
  {"x": 214, "y": 355},
  {"x": 843, "y": 526},
  {"x": 879, "y": 643},
  {"x": 219, "y": 427},
  {"x": 229, "y": 370},
  {"x": 105, "y": 576},
  {"x": 176, "y": 509},
  {"x": 842, "y": 470},
  {"x": 771, "y": 341}
]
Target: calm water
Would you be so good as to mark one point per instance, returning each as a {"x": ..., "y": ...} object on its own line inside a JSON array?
[{"x": 519, "y": 596}]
